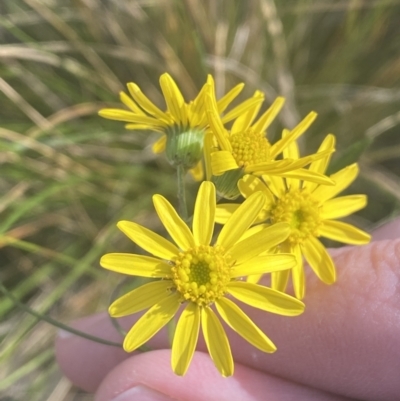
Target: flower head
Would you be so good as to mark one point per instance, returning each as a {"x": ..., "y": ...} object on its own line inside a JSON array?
[
  {"x": 198, "y": 276},
  {"x": 182, "y": 125},
  {"x": 244, "y": 149},
  {"x": 311, "y": 211}
]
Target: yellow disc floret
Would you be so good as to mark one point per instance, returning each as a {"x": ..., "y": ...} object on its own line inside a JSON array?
[
  {"x": 250, "y": 147},
  {"x": 201, "y": 274},
  {"x": 301, "y": 211}
]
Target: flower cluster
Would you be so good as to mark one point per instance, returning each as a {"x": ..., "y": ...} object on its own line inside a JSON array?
[{"x": 288, "y": 203}]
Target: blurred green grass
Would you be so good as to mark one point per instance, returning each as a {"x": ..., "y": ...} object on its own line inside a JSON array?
[{"x": 67, "y": 176}]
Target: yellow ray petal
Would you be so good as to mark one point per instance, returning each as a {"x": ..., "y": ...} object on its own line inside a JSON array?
[
  {"x": 128, "y": 116},
  {"x": 185, "y": 339},
  {"x": 241, "y": 220},
  {"x": 159, "y": 145},
  {"x": 259, "y": 242},
  {"x": 275, "y": 184},
  {"x": 266, "y": 119},
  {"x": 307, "y": 175},
  {"x": 298, "y": 273},
  {"x": 151, "y": 322},
  {"x": 204, "y": 214},
  {"x": 217, "y": 342},
  {"x": 291, "y": 151},
  {"x": 141, "y": 298},
  {"x": 342, "y": 178},
  {"x": 320, "y": 166},
  {"x": 173, "y": 97},
  {"x": 175, "y": 226},
  {"x": 147, "y": 104},
  {"x": 197, "y": 171},
  {"x": 265, "y": 298},
  {"x": 135, "y": 265},
  {"x": 241, "y": 323},
  {"x": 243, "y": 122},
  {"x": 144, "y": 127},
  {"x": 319, "y": 260},
  {"x": 264, "y": 264},
  {"x": 224, "y": 102},
  {"x": 255, "y": 278},
  {"x": 207, "y": 150},
  {"x": 224, "y": 211},
  {"x": 279, "y": 280},
  {"x": 222, "y": 161},
  {"x": 250, "y": 184},
  {"x": 278, "y": 147},
  {"x": 343, "y": 232},
  {"x": 216, "y": 125},
  {"x": 127, "y": 101},
  {"x": 343, "y": 206},
  {"x": 149, "y": 241},
  {"x": 258, "y": 98}
]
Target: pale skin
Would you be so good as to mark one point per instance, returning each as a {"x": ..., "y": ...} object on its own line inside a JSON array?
[{"x": 346, "y": 345}]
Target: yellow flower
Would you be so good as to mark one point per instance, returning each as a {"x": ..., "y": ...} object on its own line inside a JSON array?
[
  {"x": 182, "y": 125},
  {"x": 198, "y": 275},
  {"x": 311, "y": 210},
  {"x": 244, "y": 149}
]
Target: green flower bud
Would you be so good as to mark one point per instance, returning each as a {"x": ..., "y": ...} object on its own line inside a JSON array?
[{"x": 226, "y": 184}]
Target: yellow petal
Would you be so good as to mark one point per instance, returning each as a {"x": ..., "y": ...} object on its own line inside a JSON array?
[
  {"x": 128, "y": 116},
  {"x": 278, "y": 147},
  {"x": 217, "y": 342},
  {"x": 147, "y": 104},
  {"x": 216, "y": 125},
  {"x": 250, "y": 184},
  {"x": 277, "y": 185},
  {"x": 151, "y": 322},
  {"x": 319, "y": 260},
  {"x": 208, "y": 149},
  {"x": 222, "y": 161},
  {"x": 176, "y": 227},
  {"x": 197, "y": 171},
  {"x": 279, "y": 280},
  {"x": 224, "y": 102},
  {"x": 149, "y": 241},
  {"x": 241, "y": 323},
  {"x": 266, "y": 119},
  {"x": 185, "y": 339},
  {"x": 141, "y": 298},
  {"x": 255, "y": 278},
  {"x": 343, "y": 206},
  {"x": 319, "y": 166},
  {"x": 298, "y": 273},
  {"x": 307, "y": 175},
  {"x": 224, "y": 211},
  {"x": 135, "y": 265},
  {"x": 173, "y": 97},
  {"x": 204, "y": 214},
  {"x": 259, "y": 242},
  {"x": 127, "y": 101},
  {"x": 243, "y": 122},
  {"x": 159, "y": 145},
  {"x": 243, "y": 107},
  {"x": 291, "y": 151},
  {"x": 342, "y": 178},
  {"x": 343, "y": 232},
  {"x": 241, "y": 220},
  {"x": 265, "y": 298},
  {"x": 264, "y": 264}
]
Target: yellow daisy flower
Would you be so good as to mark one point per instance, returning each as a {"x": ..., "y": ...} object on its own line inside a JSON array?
[
  {"x": 182, "y": 125},
  {"x": 311, "y": 210},
  {"x": 244, "y": 149},
  {"x": 202, "y": 278}
]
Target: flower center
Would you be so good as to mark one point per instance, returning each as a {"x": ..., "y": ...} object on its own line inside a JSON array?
[
  {"x": 250, "y": 147},
  {"x": 201, "y": 274},
  {"x": 301, "y": 211}
]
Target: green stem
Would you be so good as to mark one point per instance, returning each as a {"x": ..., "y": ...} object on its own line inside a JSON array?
[
  {"x": 52, "y": 321},
  {"x": 181, "y": 173}
]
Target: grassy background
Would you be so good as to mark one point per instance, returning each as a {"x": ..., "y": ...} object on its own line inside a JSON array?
[{"x": 67, "y": 176}]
